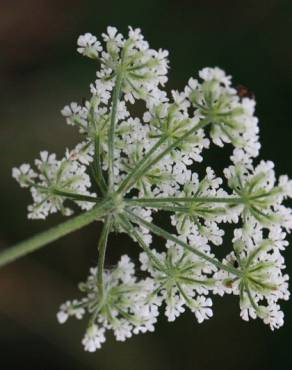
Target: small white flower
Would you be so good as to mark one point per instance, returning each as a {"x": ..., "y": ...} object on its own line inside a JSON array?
[
  {"x": 93, "y": 338},
  {"x": 68, "y": 309},
  {"x": 24, "y": 175},
  {"x": 123, "y": 331},
  {"x": 174, "y": 307},
  {"x": 88, "y": 45},
  {"x": 209, "y": 74},
  {"x": 201, "y": 308}
]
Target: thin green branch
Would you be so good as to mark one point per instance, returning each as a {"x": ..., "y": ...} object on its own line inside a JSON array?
[
  {"x": 66, "y": 194},
  {"x": 250, "y": 297},
  {"x": 97, "y": 163},
  {"x": 127, "y": 226},
  {"x": 102, "y": 244},
  {"x": 141, "y": 169},
  {"x": 40, "y": 240},
  {"x": 111, "y": 134},
  {"x": 76, "y": 196},
  {"x": 155, "y": 202},
  {"x": 96, "y": 166},
  {"x": 166, "y": 235},
  {"x": 168, "y": 208},
  {"x": 140, "y": 164}
]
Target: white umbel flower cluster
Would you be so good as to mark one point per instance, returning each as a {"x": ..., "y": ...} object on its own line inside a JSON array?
[
  {"x": 51, "y": 179},
  {"x": 123, "y": 307},
  {"x": 132, "y": 167}
]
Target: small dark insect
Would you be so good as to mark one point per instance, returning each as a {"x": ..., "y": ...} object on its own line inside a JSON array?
[
  {"x": 229, "y": 283},
  {"x": 235, "y": 264},
  {"x": 244, "y": 92}
]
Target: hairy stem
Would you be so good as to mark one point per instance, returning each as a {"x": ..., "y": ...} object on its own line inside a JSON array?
[
  {"x": 166, "y": 235},
  {"x": 143, "y": 166},
  {"x": 102, "y": 244},
  {"x": 127, "y": 226},
  {"x": 140, "y": 164},
  {"x": 97, "y": 164},
  {"x": 111, "y": 134},
  {"x": 40, "y": 240},
  {"x": 250, "y": 297},
  {"x": 155, "y": 202},
  {"x": 76, "y": 196},
  {"x": 66, "y": 194}
]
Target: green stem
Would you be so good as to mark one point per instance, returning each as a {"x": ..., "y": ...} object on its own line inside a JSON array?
[
  {"x": 96, "y": 165},
  {"x": 167, "y": 208},
  {"x": 254, "y": 305},
  {"x": 140, "y": 164},
  {"x": 141, "y": 169},
  {"x": 182, "y": 292},
  {"x": 40, "y": 240},
  {"x": 75, "y": 196},
  {"x": 127, "y": 226},
  {"x": 166, "y": 235},
  {"x": 111, "y": 134},
  {"x": 102, "y": 244},
  {"x": 66, "y": 194},
  {"x": 154, "y": 202},
  {"x": 98, "y": 170}
]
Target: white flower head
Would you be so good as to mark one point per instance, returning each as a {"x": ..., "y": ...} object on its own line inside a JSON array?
[{"x": 135, "y": 166}]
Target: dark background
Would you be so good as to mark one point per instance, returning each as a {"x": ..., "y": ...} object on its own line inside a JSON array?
[{"x": 40, "y": 73}]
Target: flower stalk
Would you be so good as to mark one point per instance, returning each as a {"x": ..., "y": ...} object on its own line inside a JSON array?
[
  {"x": 102, "y": 244},
  {"x": 111, "y": 135},
  {"x": 40, "y": 240},
  {"x": 166, "y": 235}
]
